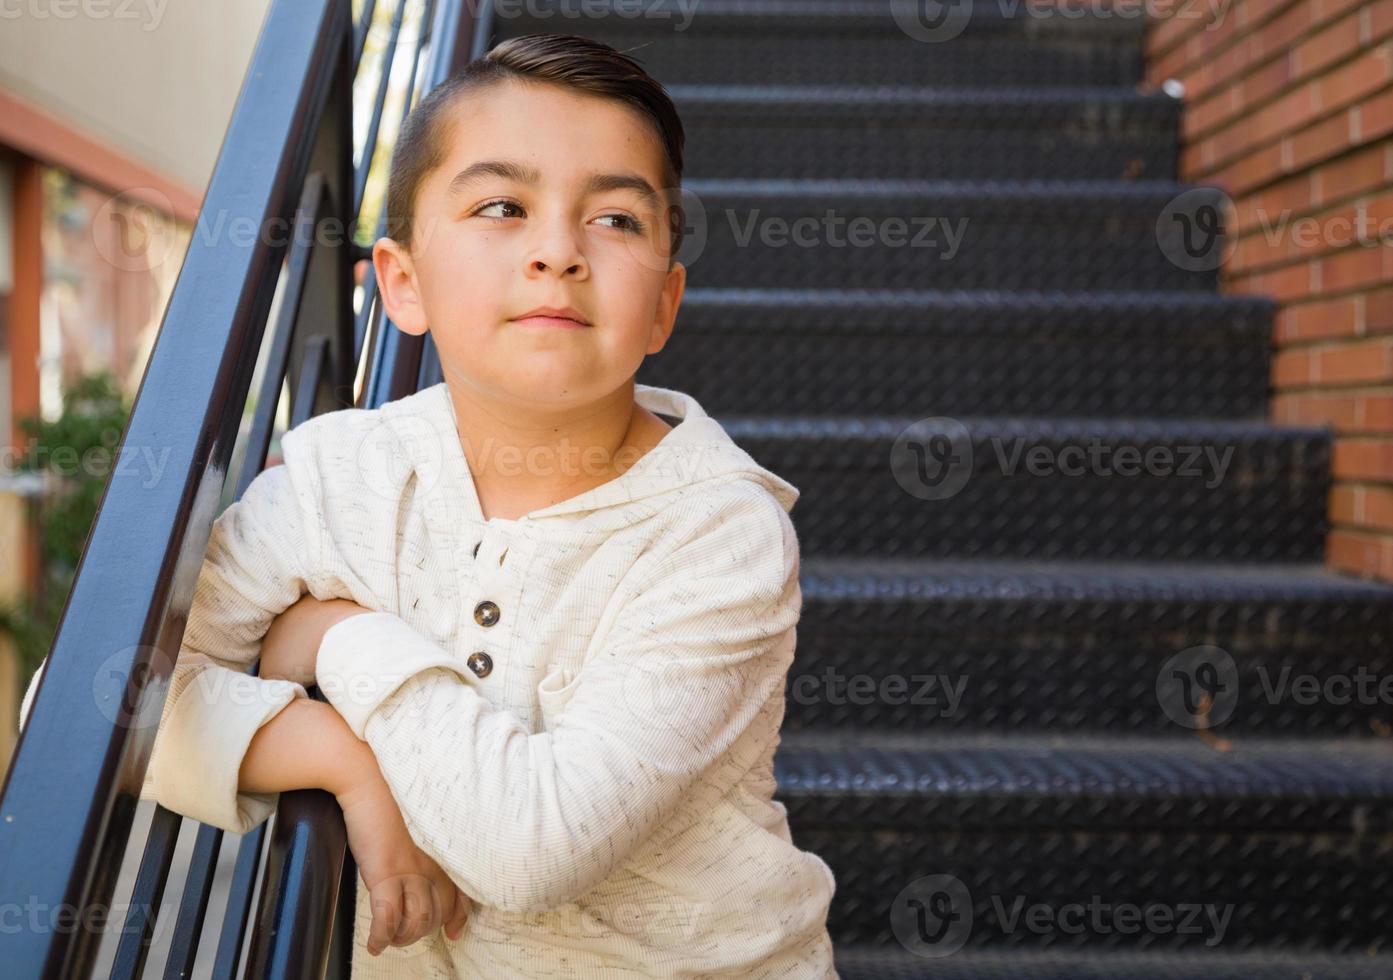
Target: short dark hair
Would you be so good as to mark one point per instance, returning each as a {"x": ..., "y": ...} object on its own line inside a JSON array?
[{"x": 573, "y": 62}]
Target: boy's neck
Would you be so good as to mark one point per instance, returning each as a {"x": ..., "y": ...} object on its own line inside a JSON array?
[{"x": 523, "y": 462}]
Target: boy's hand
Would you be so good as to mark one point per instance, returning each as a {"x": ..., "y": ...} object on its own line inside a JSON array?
[
  {"x": 410, "y": 895},
  {"x": 291, "y": 646}
]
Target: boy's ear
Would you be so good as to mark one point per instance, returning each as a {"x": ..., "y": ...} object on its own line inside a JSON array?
[
  {"x": 396, "y": 281},
  {"x": 668, "y": 303}
]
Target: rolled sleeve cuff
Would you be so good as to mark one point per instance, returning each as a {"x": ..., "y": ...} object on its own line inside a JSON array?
[
  {"x": 363, "y": 659},
  {"x": 199, "y": 761}
]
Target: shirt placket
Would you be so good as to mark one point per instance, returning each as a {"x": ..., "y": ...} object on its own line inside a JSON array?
[{"x": 491, "y": 596}]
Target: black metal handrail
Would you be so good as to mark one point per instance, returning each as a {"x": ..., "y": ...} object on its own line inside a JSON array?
[{"x": 70, "y": 794}]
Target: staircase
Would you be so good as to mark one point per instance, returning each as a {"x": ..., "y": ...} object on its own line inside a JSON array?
[{"x": 1074, "y": 696}]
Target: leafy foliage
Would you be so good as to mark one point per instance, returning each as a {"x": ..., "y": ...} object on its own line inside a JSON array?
[{"x": 76, "y": 454}]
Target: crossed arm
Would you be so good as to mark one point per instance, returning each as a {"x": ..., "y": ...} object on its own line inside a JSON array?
[{"x": 680, "y": 700}]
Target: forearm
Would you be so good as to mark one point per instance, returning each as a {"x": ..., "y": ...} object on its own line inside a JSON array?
[{"x": 307, "y": 745}]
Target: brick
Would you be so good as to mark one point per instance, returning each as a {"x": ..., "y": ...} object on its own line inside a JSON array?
[
  {"x": 1354, "y": 173},
  {"x": 1291, "y": 111},
  {"x": 1316, "y": 320},
  {"x": 1267, "y": 81},
  {"x": 1224, "y": 157},
  {"x": 1377, "y": 313},
  {"x": 1360, "y": 553},
  {"x": 1374, "y": 118},
  {"x": 1323, "y": 49},
  {"x": 1325, "y": 139},
  {"x": 1293, "y": 369},
  {"x": 1374, "y": 412},
  {"x": 1316, "y": 408},
  {"x": 1354, "y": 267},
  {"x": 1295, "y": 196},
  {"x": 1255, "y": 170},
  {"x": 1375, "y": 507},
  {"x": 1283, "y": 284},
  {"x": 1343, "y": 507},
  {"x": 1363, "y": 458},
  {"x": 1356, "y": 79},
  {"x": 1365, "y": 361}
]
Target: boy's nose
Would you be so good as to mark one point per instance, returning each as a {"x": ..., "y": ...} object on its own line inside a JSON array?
[{"x": 541, "y": 266}]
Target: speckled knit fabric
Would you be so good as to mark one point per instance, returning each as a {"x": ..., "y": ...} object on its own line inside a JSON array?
[{"x": 576, "y": 710}]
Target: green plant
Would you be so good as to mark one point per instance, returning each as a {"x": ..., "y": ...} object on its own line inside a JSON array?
[{"x": 76, "y": 453}]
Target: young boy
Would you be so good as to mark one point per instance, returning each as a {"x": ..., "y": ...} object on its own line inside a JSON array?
[{"x": 552, "y": 610}]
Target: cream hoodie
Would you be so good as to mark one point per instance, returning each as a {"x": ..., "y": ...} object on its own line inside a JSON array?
[{"x": 576, "y": 710}]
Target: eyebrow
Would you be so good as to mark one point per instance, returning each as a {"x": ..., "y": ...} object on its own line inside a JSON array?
[{"x": 521, "y": 173}]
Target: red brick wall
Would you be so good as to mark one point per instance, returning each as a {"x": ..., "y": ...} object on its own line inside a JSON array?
[{"x": 1289, "y": 108}]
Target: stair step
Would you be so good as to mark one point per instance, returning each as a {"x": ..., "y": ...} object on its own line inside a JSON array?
[
  {"x": 1090, "y": 647},
  {"x": 1006, "y": 235},
  {"x": 926, "y": 352},
  {"x": 851, "y": 42},
  {"x": 889, "y": 132},
  {"x": 1037, "y": 782},
  {"x": 905, "y": 487},
  {"x": 877, "y": 963},
  {"x": 1283, "y": 844}
]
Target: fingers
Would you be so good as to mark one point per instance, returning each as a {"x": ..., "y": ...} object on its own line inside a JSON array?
[
  {"x": 405, "y": 909},
  {"x": 386, "y": 900},
  {"x": 421, "y": 910},
  {"x": 463, "y": 906}
]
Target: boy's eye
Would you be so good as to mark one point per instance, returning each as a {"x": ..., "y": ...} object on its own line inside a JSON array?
[
  {"x": 496, "y": 204},
  {"x": 626, "y": 222}
]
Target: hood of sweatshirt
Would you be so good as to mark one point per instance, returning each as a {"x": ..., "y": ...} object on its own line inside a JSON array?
[{"x": 695, "y": 455}]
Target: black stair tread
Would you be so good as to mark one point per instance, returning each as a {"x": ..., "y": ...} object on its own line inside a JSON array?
[
  {"x": 1153, "y": 106},
  {"x": 986, "y": 16},
  {"x": 1091, "y": 189},
  {"x": 1202, "y": 315},
  {"x": 877, "y": 427},
  {"x": 1037, "y": 765},
  {"x": 1013, "y": 580},
  {"x": 865, "y": 962},
  {"x": 966, "y": 234}
]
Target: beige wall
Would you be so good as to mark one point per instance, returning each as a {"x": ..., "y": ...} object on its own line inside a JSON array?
[{"x": 155, "y": 79}]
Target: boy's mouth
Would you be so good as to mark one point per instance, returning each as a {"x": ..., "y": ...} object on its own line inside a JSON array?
[{"x": 552, "y": 316}]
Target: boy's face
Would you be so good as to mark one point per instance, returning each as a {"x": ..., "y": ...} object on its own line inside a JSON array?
[{"x": 493, "y": 247}]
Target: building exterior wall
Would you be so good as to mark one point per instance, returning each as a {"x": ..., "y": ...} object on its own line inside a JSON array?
[{"x": 1289, "y": 108}]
